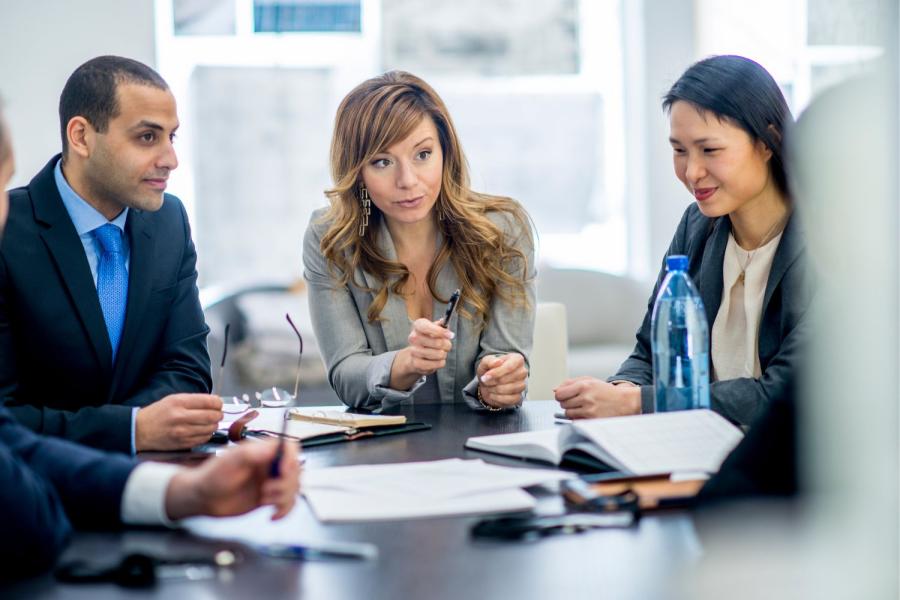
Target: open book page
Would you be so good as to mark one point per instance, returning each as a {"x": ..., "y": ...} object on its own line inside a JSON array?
[
  {"x": 688, "y": 440},
  {"x": 570, "y": 438},
  {"x": 536, "y": 445}
]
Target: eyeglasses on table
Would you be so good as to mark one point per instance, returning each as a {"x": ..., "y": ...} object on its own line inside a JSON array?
[{"x": 273, "y": 397}]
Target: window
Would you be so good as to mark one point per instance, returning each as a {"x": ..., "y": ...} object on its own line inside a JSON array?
[{"x": 281, "y": 16}]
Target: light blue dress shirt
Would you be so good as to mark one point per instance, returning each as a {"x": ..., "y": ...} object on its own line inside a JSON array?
[{"x": 86, "y": 219}]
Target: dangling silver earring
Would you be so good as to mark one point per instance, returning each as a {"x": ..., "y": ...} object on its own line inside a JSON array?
[
  {"x": 440, "y": 211},
  {"x": 366, "y": 204}
]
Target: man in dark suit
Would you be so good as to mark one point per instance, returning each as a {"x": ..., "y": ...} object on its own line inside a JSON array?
[
  {"x": 47, "y": 483},
  {"x": 102, "y": 338}
]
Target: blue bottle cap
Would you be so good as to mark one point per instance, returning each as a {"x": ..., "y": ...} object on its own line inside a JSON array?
[{"x": 677, "y": 262}]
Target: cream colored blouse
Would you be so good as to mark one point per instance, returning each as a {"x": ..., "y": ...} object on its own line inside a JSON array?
[{"x": 735, "y": 332}]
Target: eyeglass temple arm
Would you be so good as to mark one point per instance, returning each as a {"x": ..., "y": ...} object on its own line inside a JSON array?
[
  {"x": 300, "y": 357},
  {"x": 217, "y": 382}
]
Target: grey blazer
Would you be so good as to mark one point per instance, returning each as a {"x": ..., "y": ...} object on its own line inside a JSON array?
[{"x": 359, "y": 354}]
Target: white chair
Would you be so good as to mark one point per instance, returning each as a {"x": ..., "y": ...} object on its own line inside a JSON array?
[
  {"x": 605, "y": 311},
  {"x": 549, "y": 354}
]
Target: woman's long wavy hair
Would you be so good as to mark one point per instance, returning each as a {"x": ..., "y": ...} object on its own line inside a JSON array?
[{"x": 374, "y": 116}]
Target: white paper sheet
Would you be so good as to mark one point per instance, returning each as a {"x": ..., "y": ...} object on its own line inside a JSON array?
[
  {"x": 340, "y": 506},
  {"x": 423, "y": 489}
]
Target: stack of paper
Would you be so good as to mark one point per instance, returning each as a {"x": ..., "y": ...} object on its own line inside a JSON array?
[{"x": 424, "y": 489}]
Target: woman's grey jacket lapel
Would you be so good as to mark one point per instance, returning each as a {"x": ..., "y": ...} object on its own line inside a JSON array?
[{"x": 395, "y": 323}]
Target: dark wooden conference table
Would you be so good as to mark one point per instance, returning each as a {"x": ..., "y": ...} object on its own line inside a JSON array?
[{"x": 425, "y": 558}]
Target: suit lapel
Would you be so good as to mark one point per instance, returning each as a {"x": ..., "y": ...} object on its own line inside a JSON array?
[
  {"x": 709, "y": 278},
  {"x": 395, "y": 322},
  {"x": 140, "y": 280},
  {"x": 789, "y": 249},
  {"x": 67, "y": 251}
]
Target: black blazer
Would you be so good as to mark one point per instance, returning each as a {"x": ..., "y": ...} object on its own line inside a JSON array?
[
  {"x": 56, "y": 372},
  {"x": 46, "y": 484},
  {"x": 783, "y": 326}
]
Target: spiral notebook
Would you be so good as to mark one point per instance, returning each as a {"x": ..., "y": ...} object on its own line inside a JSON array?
[{"x": 311, "y": 432}]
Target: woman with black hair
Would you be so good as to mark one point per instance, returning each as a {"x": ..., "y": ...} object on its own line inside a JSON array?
[{"x": 745, "y": 247}]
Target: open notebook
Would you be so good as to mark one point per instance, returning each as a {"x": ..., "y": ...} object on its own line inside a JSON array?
[
  {"x": 344, "y": 418},
  {"x": 322, "y": 426},
  {"x": 660, "y": 443}
]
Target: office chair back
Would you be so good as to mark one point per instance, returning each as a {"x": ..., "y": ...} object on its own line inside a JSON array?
[{"x": 549, "y": 354}]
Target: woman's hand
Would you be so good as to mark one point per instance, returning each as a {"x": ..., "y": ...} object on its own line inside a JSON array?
[
  {"x": 429, "y": 344},
  {"x": 588, "y": 398},
  {"x": 502, "y": 379}
]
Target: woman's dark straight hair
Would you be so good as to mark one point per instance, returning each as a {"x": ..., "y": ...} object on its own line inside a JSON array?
[{"x": 742, "y": 92}]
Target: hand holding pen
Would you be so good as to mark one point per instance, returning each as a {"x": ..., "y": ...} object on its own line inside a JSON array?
[
  {"x": 275, "y": 466},
  {"x": 429, "y": 344},
  {"x": 237, "y": 481}
]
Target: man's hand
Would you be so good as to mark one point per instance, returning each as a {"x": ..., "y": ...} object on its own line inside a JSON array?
[
  {"x": 588, "y": 398},
  {"x": 177, "y": 422},
  {"x": 502, "y": 379},
  {"x": 235, "y": 482}
]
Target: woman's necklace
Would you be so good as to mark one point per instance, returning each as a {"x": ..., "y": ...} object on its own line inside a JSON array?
[{"x": 770, "y": 235}]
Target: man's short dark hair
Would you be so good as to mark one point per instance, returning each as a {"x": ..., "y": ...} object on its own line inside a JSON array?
[{"x": 90, "y": 91}]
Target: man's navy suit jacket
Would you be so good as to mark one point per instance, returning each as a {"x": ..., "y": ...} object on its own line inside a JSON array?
[
  {"x": 45, "y": 482},
  {"x": 56, "y": 371}
]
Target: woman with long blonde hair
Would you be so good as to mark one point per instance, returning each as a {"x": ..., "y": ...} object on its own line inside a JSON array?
[{"x": 402, "y": 232}]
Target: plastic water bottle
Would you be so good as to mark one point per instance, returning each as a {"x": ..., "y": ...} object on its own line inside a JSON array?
[{"x": 680, "y": 342}]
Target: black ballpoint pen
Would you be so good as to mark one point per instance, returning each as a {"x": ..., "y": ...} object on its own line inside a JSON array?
[
  {"x": 451, "y": 305},
  {"x": 275, "y": 468}
]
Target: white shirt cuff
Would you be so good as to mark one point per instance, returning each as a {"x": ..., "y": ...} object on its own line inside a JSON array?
[
  {"x": 144, "y": 499},
  {"x": 133, "y": 426}
]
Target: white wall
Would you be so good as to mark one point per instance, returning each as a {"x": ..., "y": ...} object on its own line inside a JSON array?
[
  {"x": 669, "y": 49},
  {"x": 770, "y": 32},
  {"x": 41, "y": 43}
]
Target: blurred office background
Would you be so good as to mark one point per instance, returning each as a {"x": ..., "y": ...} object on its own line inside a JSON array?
[{"x": 557, "y": 103}]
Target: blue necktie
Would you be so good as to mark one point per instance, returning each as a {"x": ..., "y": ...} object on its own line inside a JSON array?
[{"x": 112, "y": 282}]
